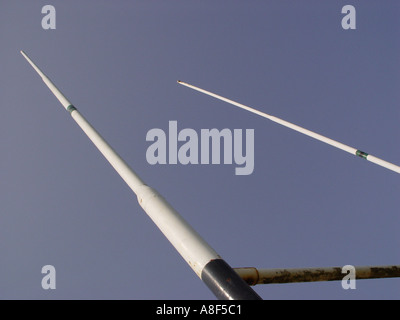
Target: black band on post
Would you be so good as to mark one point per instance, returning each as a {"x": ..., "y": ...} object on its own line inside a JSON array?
[{"x": 225, "y": 283}]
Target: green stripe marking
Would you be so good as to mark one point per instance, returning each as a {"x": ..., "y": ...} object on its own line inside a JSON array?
[
  {"x": 70, "y": 108},
  {"x": 362, "y": 154}
]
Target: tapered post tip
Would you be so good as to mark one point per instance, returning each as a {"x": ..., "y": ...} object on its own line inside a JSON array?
[{"x": 25, "y": 55}]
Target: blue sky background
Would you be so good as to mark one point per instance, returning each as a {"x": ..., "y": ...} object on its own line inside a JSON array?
[{"x": 305, "y": 205}]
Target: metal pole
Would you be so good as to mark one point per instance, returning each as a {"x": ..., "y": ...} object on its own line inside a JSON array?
[
  {"x": 205, "y": 262},
  {"x": 254, "y": 276},
  {"x": 307, "y": 132}
]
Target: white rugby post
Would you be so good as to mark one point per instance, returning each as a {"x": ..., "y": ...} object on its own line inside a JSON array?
[
  {"x": 222, "y": 280},
  {"x": 307, "y": 132}
]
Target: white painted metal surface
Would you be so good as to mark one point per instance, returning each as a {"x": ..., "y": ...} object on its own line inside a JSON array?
[
  {"x": 297, "y": 128},
  {"x": 64, "y": 101},
  {"x": 182, "y": 236}
]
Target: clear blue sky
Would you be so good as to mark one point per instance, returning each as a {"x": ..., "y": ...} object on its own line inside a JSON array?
[{"x": 305, "y": 205}]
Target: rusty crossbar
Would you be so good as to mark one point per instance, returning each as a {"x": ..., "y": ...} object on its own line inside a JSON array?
[{"x": 254, "y": 276}]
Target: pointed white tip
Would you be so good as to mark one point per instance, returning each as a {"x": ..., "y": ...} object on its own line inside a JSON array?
[
  {"x": 33, "y": 64},
  {"x": 64, "y": 101},
  {"x": 183, "y": 83}
]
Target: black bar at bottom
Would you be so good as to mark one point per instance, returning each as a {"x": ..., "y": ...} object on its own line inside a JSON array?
[{"x": 225, "y": 283}]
